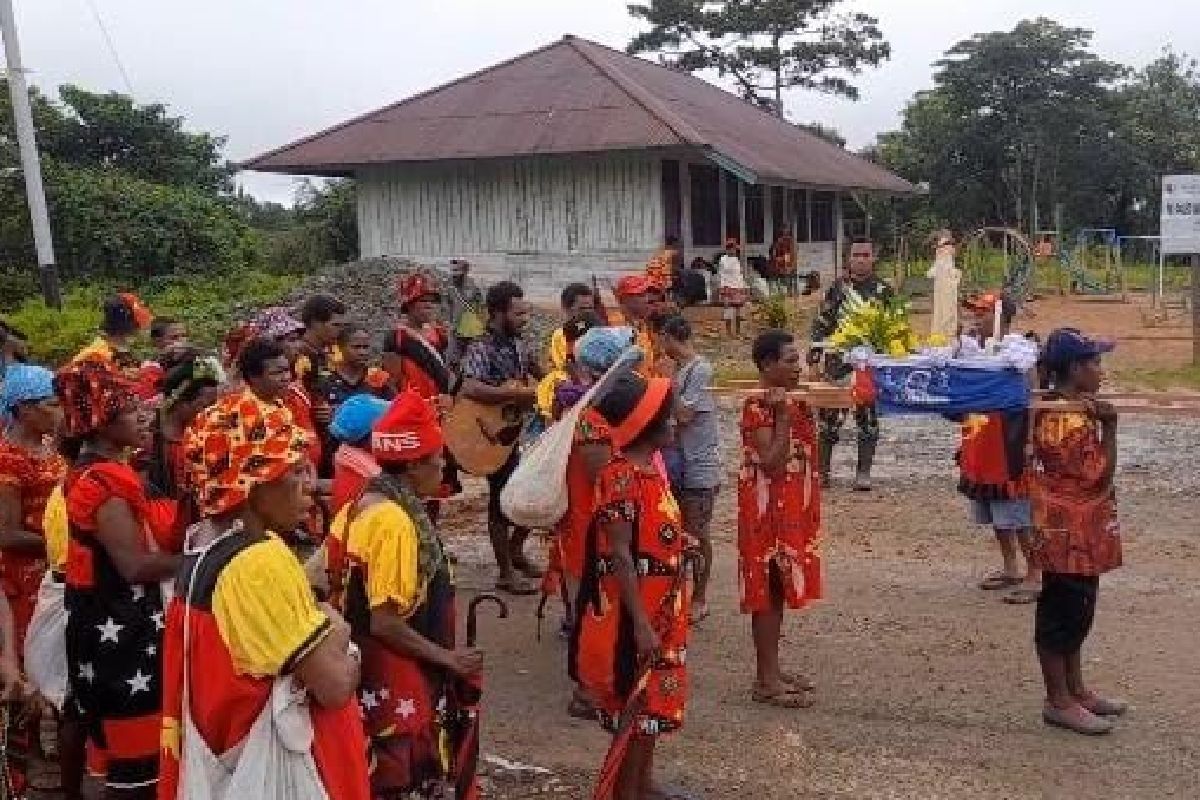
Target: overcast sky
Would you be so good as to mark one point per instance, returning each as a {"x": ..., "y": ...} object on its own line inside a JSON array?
[{"x": 265, "y": 72}]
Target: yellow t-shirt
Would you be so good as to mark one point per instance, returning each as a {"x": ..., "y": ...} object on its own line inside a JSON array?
[
  {"x": 384, "y": 540},
  {"x": 56, "y": 529},
  {"x": 266, "y": 611}
]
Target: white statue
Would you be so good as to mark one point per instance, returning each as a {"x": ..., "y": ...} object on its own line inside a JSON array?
[{"x": 946, "y": 278}]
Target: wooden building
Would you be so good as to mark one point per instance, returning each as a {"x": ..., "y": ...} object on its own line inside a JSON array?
[{"x": 577, "y": 160}]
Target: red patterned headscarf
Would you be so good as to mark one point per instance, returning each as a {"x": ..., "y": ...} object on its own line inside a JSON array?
[
  {"x": 237, "y": 444},
  {"x": 142, "y": 317},
  {"x": 93, "y": 393}
]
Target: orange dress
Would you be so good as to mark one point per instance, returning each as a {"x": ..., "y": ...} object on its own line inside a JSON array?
[
  {"x": 779, "y": 517},
  {"x": 569, "y": 543},
  {"x": 603, "y": 657},
  {"x": 33, "y": 477},
  {"x": 1076, "y": 531}
]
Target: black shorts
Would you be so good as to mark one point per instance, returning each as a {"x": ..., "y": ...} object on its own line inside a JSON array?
[
  {"x": 1066, "y": 609},
  {"x": 496, "y": 483}
]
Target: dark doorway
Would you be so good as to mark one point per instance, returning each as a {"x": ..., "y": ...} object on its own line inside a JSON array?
[{"x": 672, "y": 201}]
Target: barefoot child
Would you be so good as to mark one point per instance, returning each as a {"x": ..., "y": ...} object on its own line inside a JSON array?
[
  {"x": 779, "y": 514},
  {"x": 632, "y": 609},
  {"x": 991, "y": 460},
  {"x": 1076, "y": 535}
]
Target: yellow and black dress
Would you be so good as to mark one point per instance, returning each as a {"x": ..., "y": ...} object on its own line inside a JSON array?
[{"x": 383, "y": 551}]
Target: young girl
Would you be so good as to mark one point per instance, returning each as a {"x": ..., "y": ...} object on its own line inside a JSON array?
[
  {"x": 779, "y": 514},
  {"x": 1076, "y": 534},
  {"x": 733, "y": 293},
  {"x": 631, "y": 617}
]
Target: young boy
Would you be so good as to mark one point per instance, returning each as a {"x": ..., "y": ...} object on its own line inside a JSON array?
[
  {"x": 1076, "y": 534},
  {"x": 991, "y": 460},
  {"x": 697, "y": 443},
  {"x": 779, "y": 514}
]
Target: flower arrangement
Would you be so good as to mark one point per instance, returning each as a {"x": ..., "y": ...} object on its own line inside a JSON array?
[{"x": 881, "y": 326}]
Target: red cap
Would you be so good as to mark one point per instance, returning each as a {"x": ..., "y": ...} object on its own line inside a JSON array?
[
  {"x": 414, "y": 286},
  {"x": 407, "y": 431},
  {"x": 634, "y": 285}
]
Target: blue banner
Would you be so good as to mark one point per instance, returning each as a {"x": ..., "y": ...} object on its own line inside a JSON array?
[{"x": 948, "y": 389}]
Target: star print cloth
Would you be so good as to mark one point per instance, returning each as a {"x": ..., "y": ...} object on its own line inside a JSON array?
[
  {"x": 603, "y": 652},
  {"x": 252, "y": 618},
  {"x": 779, "y": 516},
  {"x": 114, "y": 629},
  {"x": 376, "y": 562}
]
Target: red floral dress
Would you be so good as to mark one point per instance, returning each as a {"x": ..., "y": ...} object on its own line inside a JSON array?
[
  {"x": 33, "y": 477},
  {"x": 603, "y": 654},
  {"x": 1076, "y": 531},
  {"x": 779, "y": 517}
]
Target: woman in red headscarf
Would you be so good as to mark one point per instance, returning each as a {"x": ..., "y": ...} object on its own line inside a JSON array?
[
  {"x": 391, "y": 580},
  {"x": 248, "y": 653},
  {"x": 114, "y": 571},
  {"x": 124, "y": 316},
  {"x": 631, "y": 618}
]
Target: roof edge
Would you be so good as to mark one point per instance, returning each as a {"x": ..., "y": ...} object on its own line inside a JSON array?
[{"x": 248, "y": 164}]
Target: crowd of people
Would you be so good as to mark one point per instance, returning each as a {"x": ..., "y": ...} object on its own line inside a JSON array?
[{"x": 223, "y": 574}]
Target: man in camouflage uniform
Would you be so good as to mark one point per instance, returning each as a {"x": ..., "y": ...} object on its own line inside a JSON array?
[{"x": 860, "y": 282}]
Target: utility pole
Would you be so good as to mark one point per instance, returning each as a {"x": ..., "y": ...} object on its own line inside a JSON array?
[{"x": 30, "y": 164}]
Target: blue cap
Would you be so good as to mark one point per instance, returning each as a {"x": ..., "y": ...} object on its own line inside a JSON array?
[
  {"x": 1068, "y": 345},
  {"x": 354, "y": 419}
]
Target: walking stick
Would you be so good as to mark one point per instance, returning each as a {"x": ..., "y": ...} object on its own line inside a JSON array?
[
  {"x": 468, "y": 692},
  {"x": 606, "y": 782}
]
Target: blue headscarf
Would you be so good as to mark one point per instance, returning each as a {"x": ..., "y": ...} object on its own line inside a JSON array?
[
  {"x": 355, "y": 417},
  {"x": 599, "y": 348},
  {"x": 24, "y": 383}
]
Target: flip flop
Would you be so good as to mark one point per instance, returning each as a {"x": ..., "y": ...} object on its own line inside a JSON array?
[
  {"x": 797, "y": 681},
  {"x": 694, "y": 618},
  {"x": 1022, "y": 597},
  {"x": 522, "y": 563},
  {"x": 999, "y": 581},
  {"x": 579, "y": 708},
  {"x": 785, "y": 698},
  {"x": 516, "y": 587}
]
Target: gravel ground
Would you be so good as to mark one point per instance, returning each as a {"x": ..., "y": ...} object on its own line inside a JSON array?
[{"x": 927, "y": 687}]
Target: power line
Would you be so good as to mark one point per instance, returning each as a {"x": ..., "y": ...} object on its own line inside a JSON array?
[{"x": 112, "y": 48}]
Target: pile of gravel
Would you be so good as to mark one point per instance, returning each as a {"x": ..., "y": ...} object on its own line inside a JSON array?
[{"x": 369, "y": 290}]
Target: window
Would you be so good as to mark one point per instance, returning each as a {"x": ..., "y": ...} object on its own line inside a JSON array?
[
  {"x": 800, "y": 214},
  {"x": 778, "y": 220},
  {"x": 733, "y": 216},
  {"x": 672, "y": 202},
  {"x": 755, "y": 215},
  {"x": 821, "y": 214},
  {"x": 706, "y": 205}
]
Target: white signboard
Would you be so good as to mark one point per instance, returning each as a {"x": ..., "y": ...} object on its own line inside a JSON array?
[{"x": 1180, "y": 225}]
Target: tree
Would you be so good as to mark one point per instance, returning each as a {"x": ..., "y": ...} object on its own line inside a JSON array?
[
  {"x": 1017, "y": 122},
  {"x": 764, "y": 46}
]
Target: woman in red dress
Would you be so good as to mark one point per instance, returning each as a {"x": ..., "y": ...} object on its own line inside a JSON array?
[
  {"x": 30, "y": 468},
  {"x": 779, "y": 514},
  {"x": 631, "y": 621}
]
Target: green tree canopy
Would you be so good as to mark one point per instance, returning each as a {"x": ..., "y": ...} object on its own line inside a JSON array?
[{"x": 764, "y": 46}]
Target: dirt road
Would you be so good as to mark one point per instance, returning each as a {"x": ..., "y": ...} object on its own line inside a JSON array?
[{"x": 928, "y": 687}]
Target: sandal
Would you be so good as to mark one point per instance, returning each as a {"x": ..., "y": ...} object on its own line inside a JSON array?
[
  {"x": 516, "y": 586},
  {"x": 521, "y": 562},
  {"x": 999, "y": 581},
  {"x": 786, "y": 697},
  {"x": 698, "y": 616},
  {"x": 1023, "y": 596},
  {"x": 582, "y": 708},
  {"x": 797, "y": 681}
]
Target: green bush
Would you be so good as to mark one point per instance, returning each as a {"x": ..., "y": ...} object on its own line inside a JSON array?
[{"x": 208, "y": 304}]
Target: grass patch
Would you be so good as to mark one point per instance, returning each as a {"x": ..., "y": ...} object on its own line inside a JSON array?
[
  {"x": 208, "y": 304},
  {"x": 1161, "y": 379}
]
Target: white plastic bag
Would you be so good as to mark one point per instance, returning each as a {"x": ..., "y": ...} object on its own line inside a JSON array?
[
  {"x": 46, "y": 642},
  {"x": 536, "y": 494}
]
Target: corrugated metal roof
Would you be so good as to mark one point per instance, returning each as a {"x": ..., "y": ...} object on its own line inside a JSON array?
[{"x": 576, "y": 96}]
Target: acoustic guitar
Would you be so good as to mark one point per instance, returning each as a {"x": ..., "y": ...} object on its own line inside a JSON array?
[{"x": 482, "y": 437}]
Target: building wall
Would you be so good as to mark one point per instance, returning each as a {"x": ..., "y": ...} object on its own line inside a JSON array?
[{"x": 541, "y": 221}]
